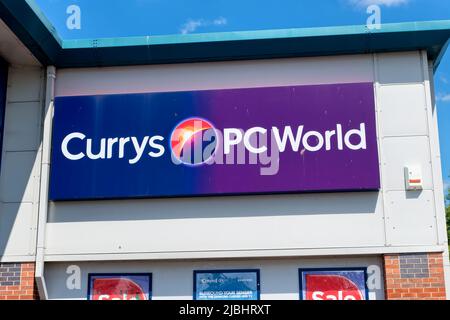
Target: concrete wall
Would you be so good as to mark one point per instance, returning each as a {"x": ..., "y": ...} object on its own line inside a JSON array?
[
  {"x": 391, "y": 220},
  {"x": 19, "y": 178}
]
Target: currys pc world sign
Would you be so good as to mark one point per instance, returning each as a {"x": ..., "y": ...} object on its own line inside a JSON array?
[{"x": 218, "y": 142}]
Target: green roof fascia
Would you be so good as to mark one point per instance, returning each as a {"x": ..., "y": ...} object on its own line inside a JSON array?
[
  {"x": 41, "y": 15},
  {"x": 257, "y": 35},
  {"x": 431, "y": 36}
]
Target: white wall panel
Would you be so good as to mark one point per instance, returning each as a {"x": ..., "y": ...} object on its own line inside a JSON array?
[
  {"x": 215, "y": 75},
  {"x": 411, "y": 218},
  {"x": 16, "y": 229},
  {"x": 17, "y": 183},
  {"x": 400, "y": 67},
  {"x": 402, "y": 110},
  {"x": 205, "y": 224},
  {"x": 22, "y": 120},
  {"x": 19, "y": 178},
  {"x": 174, "y": 280},
  {"x": 24, "y": 84}
]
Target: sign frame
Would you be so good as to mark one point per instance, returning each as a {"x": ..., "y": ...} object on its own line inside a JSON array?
[
  {"x": 256, "y": 271},
  {"x": 301, "y": 272},
  {"x": 147, "y": 274}
]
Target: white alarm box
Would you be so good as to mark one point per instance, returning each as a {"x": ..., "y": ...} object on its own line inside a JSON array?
[{"x": 413, "y": 178}]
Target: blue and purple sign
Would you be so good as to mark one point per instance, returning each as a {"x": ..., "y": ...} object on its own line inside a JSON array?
[{"x": 316, "y": 138}]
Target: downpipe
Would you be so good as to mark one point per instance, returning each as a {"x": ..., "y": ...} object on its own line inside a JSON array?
[{"x": 44, "y": 181}]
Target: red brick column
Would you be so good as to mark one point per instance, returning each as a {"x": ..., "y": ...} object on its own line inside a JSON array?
[
  {"x": 414, "y": 277},
  {"x": 17, "y": 282}
]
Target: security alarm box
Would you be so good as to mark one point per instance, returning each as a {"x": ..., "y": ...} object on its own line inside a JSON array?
[{"x": 413, "y": 178}]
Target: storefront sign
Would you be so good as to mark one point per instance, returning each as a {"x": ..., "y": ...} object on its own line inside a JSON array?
[
  {"x": 333, "y": 284},
  {"x": 119, "y": 287},
  {"x": 239, "y": 141},
  {"x": 226, "y": 285}
]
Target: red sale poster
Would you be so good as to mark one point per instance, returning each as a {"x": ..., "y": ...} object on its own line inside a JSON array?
[
  {"x": 119, "y": 287},
  {"x": 333, "y": 284}
]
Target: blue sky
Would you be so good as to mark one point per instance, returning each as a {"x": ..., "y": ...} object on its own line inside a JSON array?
[
  {"x": 116, "y": 18},
  {"x": 122, "y": 18}
]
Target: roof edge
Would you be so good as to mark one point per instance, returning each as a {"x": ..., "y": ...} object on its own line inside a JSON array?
[
  {"x": 30, "y": 25},
  {"x": 269, "y": 34}
]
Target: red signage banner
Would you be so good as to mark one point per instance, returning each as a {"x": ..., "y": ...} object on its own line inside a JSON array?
[
  {"x": 119, "y": 287},
  {"x": 333, "y": 284}
]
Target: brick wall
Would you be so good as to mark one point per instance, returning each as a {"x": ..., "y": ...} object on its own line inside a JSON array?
[
  {"x": 17, "y": 281},
  {"x": 414, "y": 276}
]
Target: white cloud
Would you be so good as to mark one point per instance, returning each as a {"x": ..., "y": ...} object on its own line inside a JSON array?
[
  {"x": 387, "y": 3},
  {"x": 221, "y": 21},
  {"x": 192, "y": 25},
  {"x": 443, "y": 97}
]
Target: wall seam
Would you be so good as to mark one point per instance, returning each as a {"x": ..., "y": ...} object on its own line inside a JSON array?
[{"x": 380, "y": 142}]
